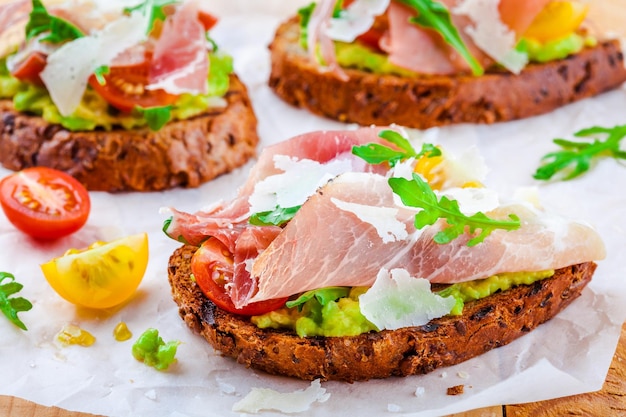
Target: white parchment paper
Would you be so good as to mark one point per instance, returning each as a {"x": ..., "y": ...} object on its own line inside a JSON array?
[{"x": 568, "y": 355}]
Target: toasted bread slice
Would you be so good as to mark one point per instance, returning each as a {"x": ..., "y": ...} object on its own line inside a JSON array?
[
  {"x": 485, "y": 324},
  {"x": 183, "y": 153},
  {"x": 426, "y": 101}
]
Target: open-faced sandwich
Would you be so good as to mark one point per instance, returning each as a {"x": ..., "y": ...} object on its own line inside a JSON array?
[
  {"x": 350, "y": 255},
  {"x": 423, "y": 63},
  {"x": 138, "y": 98}
]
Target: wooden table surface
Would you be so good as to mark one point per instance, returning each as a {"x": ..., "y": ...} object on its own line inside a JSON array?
[{"x": 607, "y": 402}]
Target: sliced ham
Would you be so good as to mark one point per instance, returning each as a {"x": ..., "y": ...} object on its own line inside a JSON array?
[
  {"x": 518, "y": 15},
  {"x": 325, "y": 245},
  {"x": 228, "y": 223},
  {"x": 180, "y": 62},
  {"x": 423, "y": 50},
  {"x": 230, "y": 219},
  {"x": 317, "y": 34}
]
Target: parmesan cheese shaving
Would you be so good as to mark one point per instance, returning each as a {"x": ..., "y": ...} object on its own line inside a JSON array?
[
  {"x": 265, "y": 399},
  {"x": 398, "y": 300},
  {"x": 384, "y": 220},
  {"x": 491, "y": 35},
  {"x": 299, "y": 180},
  {"x": 69, "y": 67},
  {"x": 473, "y": 200},
  {"x": 357, "y": 19}
]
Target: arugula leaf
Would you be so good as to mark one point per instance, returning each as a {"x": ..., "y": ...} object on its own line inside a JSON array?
[
  {"x": 305, "y": 16},
  {"x": 276, "y": 217},
  {"x": 417, "y": 193},
  {"x": 41, "y": 21},
  {"x": 100, "y": 72},
  {"x": 156, "y": 117},
  {"x": 575, "y": 158},
  {"x": 323, "y": 296},
  {"x": 11, "y": 306},
  {"x": 434, "y": 15},
  {"x": 374, "y": 153},
  {"x": 155, "y": 8}
]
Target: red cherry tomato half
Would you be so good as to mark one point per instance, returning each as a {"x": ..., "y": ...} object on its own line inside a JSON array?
[
  {"x": 207, "y": 19},
  {"x": 210, "y": 266},
  {"x": 124, "y": 88},
  {"x": 371, "y": 38},
  {"x": 30, "y": 68},
  {"x": 44, "y": 203}
]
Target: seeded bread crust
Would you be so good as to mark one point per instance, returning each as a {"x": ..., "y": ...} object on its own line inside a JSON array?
[
  {"x": 426, "y": 101},
  {"x": 485, "y": 324},
  {"x": 183, "y": 153}
]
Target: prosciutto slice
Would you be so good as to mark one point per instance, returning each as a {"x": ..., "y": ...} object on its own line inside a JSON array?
[
  {"x": 180, "y": 62},
  {"x": 423, "y": 50},
  {"x": 229, "y": 224},
  {"x": 326, "y": 245}
]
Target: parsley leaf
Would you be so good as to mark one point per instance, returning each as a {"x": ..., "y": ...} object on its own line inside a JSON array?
[
  {"x": 417, "y": 193},
  {"x": 374, "y": 153},
  {"x": 276, "y": 217},
  {"x": 41, "y": 21},
  {"x": 155, "y": 8},
  {"x": 434, "y": 15},
  {"x": 11, "y": 306},
  {"x": 156, "y": 117},
  {"x": 575, "y": 158}
]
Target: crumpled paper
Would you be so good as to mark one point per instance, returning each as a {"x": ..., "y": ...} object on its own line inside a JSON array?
[{"x": 568, "y": 355}]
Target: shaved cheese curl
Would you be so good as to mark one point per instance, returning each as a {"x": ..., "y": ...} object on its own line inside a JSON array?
[
  {"x": 491, "y": 35},
  {"x": 180, "y": 63},
  {"x": 69, "y": 68}
]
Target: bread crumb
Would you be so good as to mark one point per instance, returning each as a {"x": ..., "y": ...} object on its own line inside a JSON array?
[
  {"x": 456, "y": 390},
  {"x": 393, "y": 408},
  {"x": 419, "y": 391},
  {"x": 443, "y": 374},
  {"x": 462, "y": 375},
  {"x": 151, "y": 394}
]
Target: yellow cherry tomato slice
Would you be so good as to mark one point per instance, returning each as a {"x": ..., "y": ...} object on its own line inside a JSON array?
[
  {"x": 102, "y": 275},
  {"x": 556, "y": 20}
]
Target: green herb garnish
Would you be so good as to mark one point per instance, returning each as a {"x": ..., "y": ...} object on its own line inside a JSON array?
[
  {"x": 41, "y": 21},
  {"x": 153, "y": 351},
  {"x": 417, "y": 193},
  {"x": 305, "y": 16},
  {"x": 156, "y": 117},
  {"x": 575, "y": 158},
  {"x": 100, "y": 72},
  {"x": 276, "y": 217},
  {"x": 11, "y": 306},
  {"x": 323, "y": 296},
  {"x": 375, "y": 153},
  {"x": 434, "y": 15}
]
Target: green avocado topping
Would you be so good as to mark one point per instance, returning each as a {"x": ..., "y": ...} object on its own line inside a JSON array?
[
  {"x": 335, "y": 312},
  {"x": 94, "y": 112},
  {"x": 356, "y": 55}
]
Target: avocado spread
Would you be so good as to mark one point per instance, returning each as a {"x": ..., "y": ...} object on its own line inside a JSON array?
[
  {"x": 320, "y": 316},
  {"x": 94, "y": 112},
  {"x": 355, "y": 55}
]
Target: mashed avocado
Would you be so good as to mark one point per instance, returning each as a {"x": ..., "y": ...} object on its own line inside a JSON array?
[
  {"x": 555, "y": 49},
  {"x": 94, "y": 112},
  {"x": 355, "y": 55},
  {"x": 475, "y": 290},
  {"x": 318, "y": 316}
]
